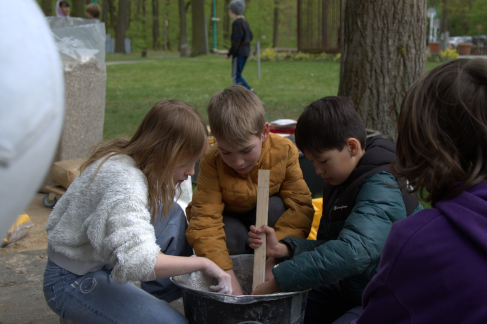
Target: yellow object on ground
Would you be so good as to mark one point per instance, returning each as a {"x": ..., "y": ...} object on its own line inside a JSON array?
[
  {"x": 318, "y": 206},
  {"x": 18, "y": 230}
]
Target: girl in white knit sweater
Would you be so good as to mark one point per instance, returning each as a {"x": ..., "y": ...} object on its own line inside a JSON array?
[{"x": 101, "y": 232}]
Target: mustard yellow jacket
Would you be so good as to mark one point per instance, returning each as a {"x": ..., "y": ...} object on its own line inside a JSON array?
[{"x": 222, "y": 189}]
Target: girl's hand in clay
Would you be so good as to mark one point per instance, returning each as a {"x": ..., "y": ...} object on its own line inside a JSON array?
[
  {"x": 237, "y": 289},
  {"x": 266, "y": 288},
  {"x": 273, "y": 247},
  {"x": 224, "y": 280}
]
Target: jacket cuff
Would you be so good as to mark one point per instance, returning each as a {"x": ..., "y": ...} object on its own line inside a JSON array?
[{"x": 291, "y": 247}]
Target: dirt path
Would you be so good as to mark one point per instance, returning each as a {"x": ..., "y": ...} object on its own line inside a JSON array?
[{"x": 22, "y": 265}]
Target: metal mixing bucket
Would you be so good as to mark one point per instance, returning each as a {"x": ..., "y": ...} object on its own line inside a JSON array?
[{"x": 205, "y": 307}]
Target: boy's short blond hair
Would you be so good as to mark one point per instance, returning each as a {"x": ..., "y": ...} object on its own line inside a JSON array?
[
  {"x": 235, "y": 114},
  {"x": 93, "y": 9}
]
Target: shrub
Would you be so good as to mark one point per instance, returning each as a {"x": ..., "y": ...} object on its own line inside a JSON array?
[
  {"x": 444, "y": 56},
  {"x": 271, "y": 55}
]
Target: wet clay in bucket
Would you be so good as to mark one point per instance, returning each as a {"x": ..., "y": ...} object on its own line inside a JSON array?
[{"x": 203, "y": 306}]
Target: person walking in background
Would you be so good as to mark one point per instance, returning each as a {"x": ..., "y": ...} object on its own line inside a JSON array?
[
  {"x": 241, "y": 37},
  {"x": 93, "y": 12},
  {"x": 62, "y": 9}
]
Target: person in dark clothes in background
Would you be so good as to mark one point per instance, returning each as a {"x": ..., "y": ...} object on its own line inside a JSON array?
[{"x": 241, "y": 37}]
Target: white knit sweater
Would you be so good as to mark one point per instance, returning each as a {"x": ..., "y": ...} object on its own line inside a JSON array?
[{"x": 107, "y": 220}]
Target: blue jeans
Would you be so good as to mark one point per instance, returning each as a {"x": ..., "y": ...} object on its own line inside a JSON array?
[
  {"x": 238, "y": 63},
  {"x": 96, "y": 298}
]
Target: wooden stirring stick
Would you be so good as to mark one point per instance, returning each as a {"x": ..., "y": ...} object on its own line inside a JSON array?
[{"x": 261, "y": 219}]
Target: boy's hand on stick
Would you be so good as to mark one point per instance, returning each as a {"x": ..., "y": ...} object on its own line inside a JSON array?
[
  {"x": 266, "y": 288},
  {"x": 224, "y": 280},
  {"x": 273, "y": 248}
]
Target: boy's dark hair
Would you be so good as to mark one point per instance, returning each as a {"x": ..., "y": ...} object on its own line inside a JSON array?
[
  {"x": 94, "y": 10},
  {"x": 63, "y": 4},
  {"x": 442, "y": 127},
  {"x": 327, "y": 124}
]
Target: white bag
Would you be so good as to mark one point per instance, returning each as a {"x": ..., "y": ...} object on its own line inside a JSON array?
[{"x": 186, "y": 194}]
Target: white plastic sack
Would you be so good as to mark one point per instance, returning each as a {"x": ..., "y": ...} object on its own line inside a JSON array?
[
  {"x": 31, "y": 106},
  {"x": 78, "y": 40}
]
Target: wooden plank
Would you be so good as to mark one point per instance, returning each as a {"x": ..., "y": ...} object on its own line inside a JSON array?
[
  {"x": 58, "y": 190},
  {"x": 261, "y": 219}
]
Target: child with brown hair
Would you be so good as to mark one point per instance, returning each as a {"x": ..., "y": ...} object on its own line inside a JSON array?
[
  {"x": 433, "y": 264},
  {"x": 224, "y": 201},
  {"x": 100, "y": 234},
  {"x": 93, "y": 12}
]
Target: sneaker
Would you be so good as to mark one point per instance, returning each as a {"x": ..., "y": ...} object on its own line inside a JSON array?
[{"x": 251, "y": 89}]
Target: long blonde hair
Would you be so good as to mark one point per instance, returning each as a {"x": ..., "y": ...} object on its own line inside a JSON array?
[{"x": 172, "y": 134}]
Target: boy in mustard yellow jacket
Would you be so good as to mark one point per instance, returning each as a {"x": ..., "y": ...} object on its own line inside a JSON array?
[{"x": 224, "y": 201}]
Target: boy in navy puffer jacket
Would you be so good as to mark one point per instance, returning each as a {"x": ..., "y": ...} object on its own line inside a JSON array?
[{"x": 361, "y": 200}]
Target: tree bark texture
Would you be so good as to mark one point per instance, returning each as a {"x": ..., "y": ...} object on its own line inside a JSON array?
[
  {"x": 155, "y": 25},
  {"x": 46, "y": 6},
  {"x": 445, "y": 17},
  {"x": 276, "y": 24},
  {"x": 129, "y": 13},
  {"x": 143, "y": 25},
  {"x": 226, "y": 22},
  {"x": 104, "y": 12},
  {"x": 198, "y": 46},
  {"x": 113, "y": 15},
  {"x": 166, "y": 23},
  {"x": 121, "y": 26},
  {"x": 77, "y": 9},
  {"x": 183, "y": 38},
  {"x": 383, "y": 53}
]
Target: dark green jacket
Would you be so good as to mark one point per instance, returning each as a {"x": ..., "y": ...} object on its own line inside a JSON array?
[{"x": 348, "y": 250}]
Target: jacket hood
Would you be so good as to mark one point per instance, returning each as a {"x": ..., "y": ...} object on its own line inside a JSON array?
[
  {"x": 468, "y": 213},
  {"x": 59, "y": 12},
  {"x": 378, "y": 152}
]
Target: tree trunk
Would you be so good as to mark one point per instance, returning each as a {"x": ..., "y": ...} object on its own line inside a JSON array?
[
  {"x": 164, "y": 30},
  {"x": 77, "y": 9},
  {"x": 46, "y": 6},
  {"x": 113, "y": 15},
  {"x": 104, "y": 13},
  {"x": 156, "y": 44},
  {"x": 445, "y": 17},
  {"x": 144, "y": 19},
  {"x": 183, "y": 38},
  {"x": 226, "y": 22},
  {"x": 129, "y": 13},
  {"x": 383, "y": 53},
  {"x": 276, "y": 24},
  {"x": 198, "y": 38},
  {"x": 121, "y": 26}
]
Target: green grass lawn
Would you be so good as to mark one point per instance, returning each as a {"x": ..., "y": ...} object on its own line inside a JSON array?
[
  {"x": 136, "y": 56},
  {"x": 285, "y": 87}
]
